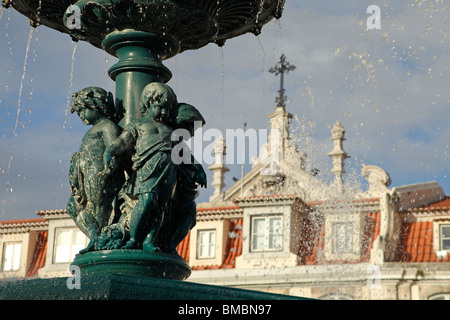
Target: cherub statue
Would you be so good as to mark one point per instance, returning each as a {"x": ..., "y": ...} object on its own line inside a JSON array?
[
  {"x": 154, "y": 178},
  {"x": 92, "y": 202},
  {"x": 182, "y": 216}
]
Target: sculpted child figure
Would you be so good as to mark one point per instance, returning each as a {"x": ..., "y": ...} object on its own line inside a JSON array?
[
  {"x": 154, "y": 178},
  {"x": 92, "y": 200},
  {"x": 190, "y": 174}
]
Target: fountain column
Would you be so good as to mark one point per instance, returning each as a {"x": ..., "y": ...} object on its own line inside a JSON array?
[{"x": 140, "y": 63}]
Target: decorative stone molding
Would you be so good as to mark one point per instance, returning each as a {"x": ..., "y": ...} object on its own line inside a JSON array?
[
  {"x": 379, "y": 180},
  {"x": 355, "y": 223}
]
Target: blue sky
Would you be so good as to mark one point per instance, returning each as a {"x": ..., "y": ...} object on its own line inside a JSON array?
[{"x": 388, "y": 87}]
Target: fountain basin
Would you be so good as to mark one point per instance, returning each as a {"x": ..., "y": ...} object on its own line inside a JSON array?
[{"x": 193, "y": 23}]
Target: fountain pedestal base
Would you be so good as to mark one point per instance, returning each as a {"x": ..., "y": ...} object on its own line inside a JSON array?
[
  {"x": 133, "y": 262},
  {"x": 125, "y": 287},
  {"x": 127, "y": 275}
]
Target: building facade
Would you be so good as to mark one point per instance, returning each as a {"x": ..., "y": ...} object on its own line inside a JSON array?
[{"x": 280, "y": 229}]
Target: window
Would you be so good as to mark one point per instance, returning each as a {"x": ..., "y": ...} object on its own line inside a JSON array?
[
  {"x": 444, "y": 236},
  {"x": 267, "y": 233},
  {"x": 343, "y": 238},
  {"x": 11, "y": 256},
  {"x": 68, "y": 242},
  {"x": 206, "y": 244}
]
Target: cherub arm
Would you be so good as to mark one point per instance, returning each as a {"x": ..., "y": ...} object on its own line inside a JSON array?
[
  {"x": 110, "y": 134},
  {"x": 123, "y": 143}
]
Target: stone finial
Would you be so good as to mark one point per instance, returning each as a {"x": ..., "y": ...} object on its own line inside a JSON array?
[
  {"x": 338, "y": 154},
  {"x": 218, "y": 169},
  {"x": 338, "y": 131},
  {"x": 219, "y": 150}
]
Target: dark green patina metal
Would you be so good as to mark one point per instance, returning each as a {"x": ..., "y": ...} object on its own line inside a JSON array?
[
  {"x": 140, "y": 63},
  {"x": 133, "y": 262}
]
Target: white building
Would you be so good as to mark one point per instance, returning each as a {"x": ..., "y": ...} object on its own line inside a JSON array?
[{"x": 281, "y": 229}]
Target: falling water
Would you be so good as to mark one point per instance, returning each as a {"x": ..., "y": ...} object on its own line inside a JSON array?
[
  {"x": 29, "y": 111},
  {"x": 279, "y": 35},
  {"x": 222, "y": 89},
  {"x": 175, "y": 78},
  {"x": 69, "y": 96},
  {"x": 2, "y": 10},
  {"x": 30, "y": 36},
  {"x": 263, "y": 65},
  {"x": 8, "y": 18}
]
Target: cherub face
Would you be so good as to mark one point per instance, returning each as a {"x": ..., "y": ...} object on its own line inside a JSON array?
[
  {"x": 159, "y": 112},
  {"x": 88, "y": 116}
]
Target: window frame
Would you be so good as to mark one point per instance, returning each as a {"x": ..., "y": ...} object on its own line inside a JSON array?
[
  {"x": 441, "y": 237},
  {"x": 14, "y": 254},
  {"x": 72, "y": 254},
  {"x": 209, "y": 244},
  {"x": 267, "y": 233}
]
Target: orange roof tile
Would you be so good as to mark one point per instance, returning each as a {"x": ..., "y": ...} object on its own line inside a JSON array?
[
  {"x": 416, "y": 235},
  {"x": 312, "y": 245},
  {"x": 371, "y": 232},
  {"x": 183, "y": 247},
  {"x": 234, "y": 244},
  {"x": 38, "y": 260},
  {"x": 416, "y": 243},
  {"x": 443, "y": 204}
]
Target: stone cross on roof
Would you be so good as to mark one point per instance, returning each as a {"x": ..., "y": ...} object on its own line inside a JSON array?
[{"x": 281, "y": 68}]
